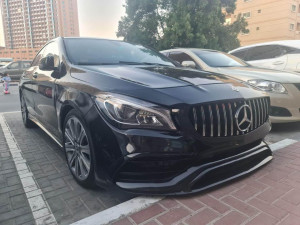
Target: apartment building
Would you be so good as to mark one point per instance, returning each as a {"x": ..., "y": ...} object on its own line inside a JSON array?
[
  {"x": 268, "y": 20},
  {"x": 31, "y": 23}
]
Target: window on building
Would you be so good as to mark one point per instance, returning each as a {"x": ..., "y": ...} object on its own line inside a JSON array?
[
  {"x": 294, "y": 8},
  {"x": 257, "y": 28},
  {"x": 247, "y": 15},
  {"x": 298, "y": 26},
  {"x": 292, "y": 26},
  {"x": 259, "y": 11}
]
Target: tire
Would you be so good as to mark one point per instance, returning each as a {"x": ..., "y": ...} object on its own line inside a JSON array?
[
  {"x": 26, "y": 121},
  {"x": 79, "y": 149}
]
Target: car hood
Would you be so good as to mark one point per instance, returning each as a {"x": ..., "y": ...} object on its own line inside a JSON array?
[
  {"x": 157, "y": 76},
  {"x": 249, "y": 73}
]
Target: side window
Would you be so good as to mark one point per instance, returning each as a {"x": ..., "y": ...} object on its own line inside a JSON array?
[
  {"x": 52, "y": 50},
  {"x": 289, "y": 50},
  {"x": 26, "y": 64},
  {"x": 263, "y": 52},
  {"x": 240, "y": 54},
  {"x": 14, "y": 66},
  {"x": 180, "y": 57}
]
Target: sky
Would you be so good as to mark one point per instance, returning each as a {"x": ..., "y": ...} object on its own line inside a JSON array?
[{"x": 99, "y": 18}]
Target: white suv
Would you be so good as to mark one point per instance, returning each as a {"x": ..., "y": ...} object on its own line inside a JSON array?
[{"x": 279, "y": 55}]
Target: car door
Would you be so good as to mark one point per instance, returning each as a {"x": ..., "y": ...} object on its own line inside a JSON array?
[
  {"x": 29, "y": 86},
  {"x": 268, "y": 56},
  {"x": 44, "y": 98}
]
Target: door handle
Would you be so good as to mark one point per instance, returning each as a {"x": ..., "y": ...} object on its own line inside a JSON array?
[
  {"x": 278, "y": 63},
  {"x": 35, "y": 75}
]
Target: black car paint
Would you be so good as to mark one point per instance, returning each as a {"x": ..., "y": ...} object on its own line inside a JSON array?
[{"x": 49, "y": 97}]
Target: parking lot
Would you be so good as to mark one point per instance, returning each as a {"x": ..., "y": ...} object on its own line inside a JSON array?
[{"x": 62, "y": 197}]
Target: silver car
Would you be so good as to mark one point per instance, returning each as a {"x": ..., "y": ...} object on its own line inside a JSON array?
[{"x": 282, "y": 87}]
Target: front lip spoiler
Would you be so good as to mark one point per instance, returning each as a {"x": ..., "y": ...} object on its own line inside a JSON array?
[{"x": 183, "y": 183}]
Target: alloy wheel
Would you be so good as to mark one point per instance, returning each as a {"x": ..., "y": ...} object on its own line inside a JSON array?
[{"x": 77, "y": 148}]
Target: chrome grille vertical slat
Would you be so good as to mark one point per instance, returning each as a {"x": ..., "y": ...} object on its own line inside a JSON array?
[
  {"x": 204, "y": 121},
  {"x": 231, "y": 118},
  {"x": 219, "y": 120},
  {"x": 258, "y": 111},
  {"x": 249, "y": 103},
  {"x": 255, "y": 109},
  {"x": 235, "y": 107},
  {"x": 225, "y": 120},
  {"x": 264, "y": 107},
  {"x": 211, "y": 121},
  {"x": 195, "y": 119},
  {"x": 261, "y": 112}
]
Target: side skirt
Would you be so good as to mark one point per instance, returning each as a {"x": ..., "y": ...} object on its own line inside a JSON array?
[{"x": 46, "y": 131}]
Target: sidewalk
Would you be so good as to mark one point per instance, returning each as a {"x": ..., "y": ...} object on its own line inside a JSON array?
[{"x": 269, "y": 196}]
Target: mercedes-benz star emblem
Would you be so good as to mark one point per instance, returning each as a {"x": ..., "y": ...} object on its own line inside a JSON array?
[{"x": 244, "y": 118}]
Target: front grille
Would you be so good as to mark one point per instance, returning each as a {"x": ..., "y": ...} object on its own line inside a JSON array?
[
  {"x": 298, "y": 86},
  {"x": 219, "y": 119}
]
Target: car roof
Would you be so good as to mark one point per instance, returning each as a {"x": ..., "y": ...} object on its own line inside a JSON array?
[{"x": 288, "y": 43}]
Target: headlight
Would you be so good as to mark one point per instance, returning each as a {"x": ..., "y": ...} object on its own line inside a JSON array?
[
  {"x": 133, "y": 113},
  {"x": 268, "y": 86}
]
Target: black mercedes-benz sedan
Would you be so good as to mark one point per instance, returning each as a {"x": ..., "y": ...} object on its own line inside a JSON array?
[{"x": 126, "y": 115}]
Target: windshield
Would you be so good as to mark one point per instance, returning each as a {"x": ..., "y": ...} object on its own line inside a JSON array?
[
  {"x": 108, "y": 52},
  {"x": 219, "y": 59}
]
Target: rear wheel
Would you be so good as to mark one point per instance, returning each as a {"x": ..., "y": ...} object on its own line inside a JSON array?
[
  {"x": 78, "y": 149},
  {"x": 26, "y": 121}
]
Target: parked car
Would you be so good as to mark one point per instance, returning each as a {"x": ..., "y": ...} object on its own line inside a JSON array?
[
  {"x": 279, "y": 55},
  {"x": 15, "y": 69},
  {"x": 282, "y": 87},
  {"x": 126, "y": 115}
]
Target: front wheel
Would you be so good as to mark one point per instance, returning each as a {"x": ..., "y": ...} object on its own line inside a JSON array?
[{"x": 78, "y": 149}]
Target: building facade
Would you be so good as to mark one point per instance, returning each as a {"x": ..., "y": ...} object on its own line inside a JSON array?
[
  {"x": 31, "y": 23},
  {"x": 19, "y": 54},
  {"x": 269, "y": 20}
]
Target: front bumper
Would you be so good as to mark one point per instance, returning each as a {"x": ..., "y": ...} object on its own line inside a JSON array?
[
  {"x": 172, "y": 165},
  {"x": 201, "y": 177}
]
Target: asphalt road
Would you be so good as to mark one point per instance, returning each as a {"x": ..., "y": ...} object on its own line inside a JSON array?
[{"x": 11, "y": 103}]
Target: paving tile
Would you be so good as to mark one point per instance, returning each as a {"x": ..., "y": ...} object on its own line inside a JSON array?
[
  {"x": 240, "y": 206},
  {"x": 202, "y": 218},
  {"x": 263, "y": 219},
  {"x": 232, "y": 218},
  {"x": 191, "y": 203},
  {"x": 269, "y": 209},
  {"x": 293, "y": 197},
  {"x": 168, "y": 203},
  {"x": 245, "y": 193},
  {"x": 291, "y": 220},
  {"x": 173, "y": 215},
  {"x": 148, "y": 213},
  {"x": 271, "y": 194},
  {"x": 214, "y": 204}
]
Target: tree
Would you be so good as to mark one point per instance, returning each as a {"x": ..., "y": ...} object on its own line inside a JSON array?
[{"x": 181, "y": 23}]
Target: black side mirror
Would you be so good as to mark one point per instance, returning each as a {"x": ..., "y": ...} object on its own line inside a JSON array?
[{"x": 47, "y": 63}]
